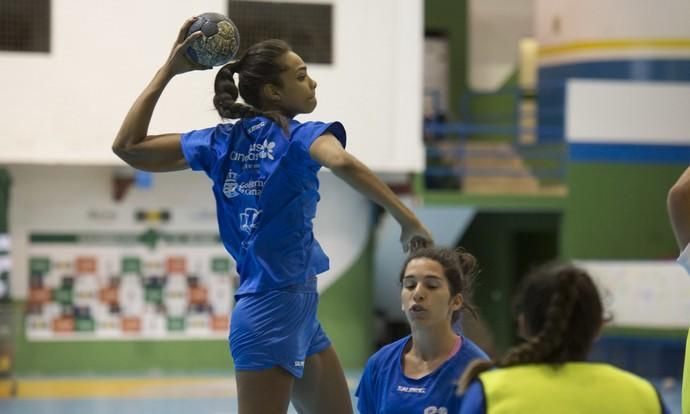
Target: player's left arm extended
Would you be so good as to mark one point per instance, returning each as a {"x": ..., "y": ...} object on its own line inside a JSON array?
[
  {"x": 678, "y": 203},
  {"x": 327, "y": 151}
]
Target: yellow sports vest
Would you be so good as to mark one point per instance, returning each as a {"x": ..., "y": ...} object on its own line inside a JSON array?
[
  {"x": 572, "y": 388},
  {"x": 685, "y": 396}
]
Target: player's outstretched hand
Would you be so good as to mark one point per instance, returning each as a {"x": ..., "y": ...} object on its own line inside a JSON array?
[
  {"x": 415, "y": 237},
  {"x": 178, "y": 62}
]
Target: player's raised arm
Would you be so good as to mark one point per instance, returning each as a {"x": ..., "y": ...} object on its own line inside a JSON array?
[{"x": 132, "y": 143}]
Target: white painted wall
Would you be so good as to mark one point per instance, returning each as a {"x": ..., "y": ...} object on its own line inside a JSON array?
[
  {"x": 436, "y": 76},
  {"x": 495, "y": 30},
  {"x": 595, "y": 30},
  {"x": 565, "y": 21},
  {"x": 65, "y": 107},
  {"x": 627, "y": 112},
  {"x": 633, "y": 301},
  {"x": 78, "y": 198}
]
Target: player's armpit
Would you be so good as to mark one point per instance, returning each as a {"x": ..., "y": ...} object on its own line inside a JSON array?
[{"x": 156, "y": 153}]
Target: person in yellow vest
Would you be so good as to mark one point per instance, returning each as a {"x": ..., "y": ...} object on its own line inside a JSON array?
[
  {"x": 678, "y": 202},
  {"x": 560, "y": 313}
]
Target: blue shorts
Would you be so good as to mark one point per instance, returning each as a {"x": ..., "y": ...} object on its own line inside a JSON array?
[{"x": 277, "y": 328}]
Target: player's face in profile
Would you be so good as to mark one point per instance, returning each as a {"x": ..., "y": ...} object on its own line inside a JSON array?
[
  {"x": 298, "y": 93},
  {"x": 425, "y": 293}
]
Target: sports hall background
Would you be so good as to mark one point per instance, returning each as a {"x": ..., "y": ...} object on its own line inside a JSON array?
[{"x": 522, "y": 130}]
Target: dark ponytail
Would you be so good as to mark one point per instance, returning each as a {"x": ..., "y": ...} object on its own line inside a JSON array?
[
  {"x": 563, "y": 313},
  {"x": 257, "y": 67}
]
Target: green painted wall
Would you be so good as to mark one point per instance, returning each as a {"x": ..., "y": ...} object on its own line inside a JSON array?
[
  {"x": 345, "y": 312},
  {"x": 618, "y": 211},
  {"x": 507, "y": 244},
  {"x": 37, "y": 358},
  {"x": 450, "y": 17}
]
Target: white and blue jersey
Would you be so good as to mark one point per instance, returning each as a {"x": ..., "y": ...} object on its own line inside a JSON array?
[
  {"x": 384, "y": 388},
  {"x": 266, "y": 190}
]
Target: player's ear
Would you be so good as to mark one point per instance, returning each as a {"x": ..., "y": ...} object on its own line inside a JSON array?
[
  {"x": 456, "y": 302},
  {"x": 271, "y": 92}
]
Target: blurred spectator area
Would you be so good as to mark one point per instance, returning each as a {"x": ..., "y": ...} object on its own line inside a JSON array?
[{"x": 495, "y": 147}]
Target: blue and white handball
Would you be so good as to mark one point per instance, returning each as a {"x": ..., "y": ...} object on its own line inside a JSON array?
[{"x": 219, "y": 43}]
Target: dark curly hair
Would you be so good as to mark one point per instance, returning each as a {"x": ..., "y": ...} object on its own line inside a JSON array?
[{"x": 563, "y": 314}]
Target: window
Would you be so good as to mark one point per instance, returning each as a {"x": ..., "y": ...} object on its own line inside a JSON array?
[
  {"x": 306, "y": 27},
  {"x": 25, "y": 25}
]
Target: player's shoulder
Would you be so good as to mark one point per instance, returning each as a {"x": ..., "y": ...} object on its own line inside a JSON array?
[
  {"x": 473, "y": 350},
  {"x": 314, "y": 129}
]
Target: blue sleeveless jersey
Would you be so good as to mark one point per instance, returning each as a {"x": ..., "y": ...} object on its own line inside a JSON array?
[
  {"x": 266, "y": 190},
  {"x": 385, "y": 389}
]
